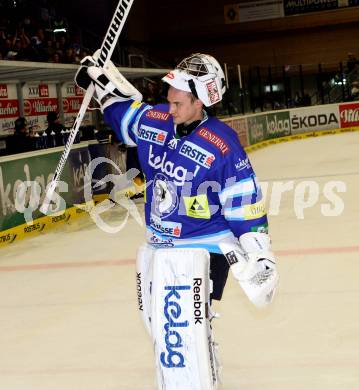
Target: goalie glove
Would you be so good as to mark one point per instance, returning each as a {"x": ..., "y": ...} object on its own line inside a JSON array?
[
  {"x": 253, "y": 264},
  {"x": 110, "y": 85}
]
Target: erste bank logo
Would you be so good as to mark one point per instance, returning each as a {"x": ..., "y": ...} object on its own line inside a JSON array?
[
  {"x": 197, "y": 154},
  {"x": 151, "y": 134}
]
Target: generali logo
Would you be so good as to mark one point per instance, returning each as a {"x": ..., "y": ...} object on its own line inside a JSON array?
[
  {"x": 159, "y": 115},
  {"x": 214, "y": 139},
  {"x": 349, "y": 115},
  {"x": 3, "y": 91}
]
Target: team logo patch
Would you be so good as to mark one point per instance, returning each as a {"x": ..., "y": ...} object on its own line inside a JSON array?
[
  {"x": 197, "y": 206},
  {"x": 151, "y": 134},
  {"x": 212, "y": 91},
  {"x": 214, "y": 139},
  {"x": 158, "y": 115},
  {"x": 197, "y": 154},
  {"x": 165, "y": 199}
]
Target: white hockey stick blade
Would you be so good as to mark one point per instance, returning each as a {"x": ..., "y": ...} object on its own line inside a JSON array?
[{"x": 107, "y": 48}]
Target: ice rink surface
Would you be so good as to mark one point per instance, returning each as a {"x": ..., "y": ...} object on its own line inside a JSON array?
[{"x": 68, "y": 314}]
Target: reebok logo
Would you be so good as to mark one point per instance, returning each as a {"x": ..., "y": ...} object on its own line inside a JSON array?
[
  {"x": 231, "y": 258},
  {"x": 139, "y": 291},
  {"x": 197, "y": 301}
]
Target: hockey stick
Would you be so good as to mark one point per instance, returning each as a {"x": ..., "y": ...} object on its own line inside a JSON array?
[{"x": 107, "y": 48}]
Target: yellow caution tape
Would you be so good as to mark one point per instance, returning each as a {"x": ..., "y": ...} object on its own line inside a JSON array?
[{"x": 295, "y": 137}]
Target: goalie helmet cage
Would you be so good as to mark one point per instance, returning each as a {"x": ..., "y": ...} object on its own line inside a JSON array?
[{"x": 106, "y": 50}]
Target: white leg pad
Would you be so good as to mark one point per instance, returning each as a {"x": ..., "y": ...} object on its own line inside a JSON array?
[
  {"x": 181, "y": 329},
  {"x": 144, "y": 265}
]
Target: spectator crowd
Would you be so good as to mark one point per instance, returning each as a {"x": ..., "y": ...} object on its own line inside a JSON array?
[
  {"x": 26, "y": 35},
  {"x": 24, "y": 139}
]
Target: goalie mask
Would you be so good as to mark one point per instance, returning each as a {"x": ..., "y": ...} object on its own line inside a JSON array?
[{"x": 201, "y": 75}]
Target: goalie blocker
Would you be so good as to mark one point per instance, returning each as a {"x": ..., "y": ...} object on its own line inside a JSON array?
[
  {"x": 174, "y": 289},
  {"x": 110, "y": 85}
]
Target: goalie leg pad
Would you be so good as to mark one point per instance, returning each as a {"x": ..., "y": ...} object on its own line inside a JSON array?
[
  {"x": 181, "y": 331},
  {"x": 144, "y": 263}
]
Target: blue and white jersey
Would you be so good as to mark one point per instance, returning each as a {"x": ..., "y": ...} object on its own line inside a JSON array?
[{"x": 201, "y": 188}]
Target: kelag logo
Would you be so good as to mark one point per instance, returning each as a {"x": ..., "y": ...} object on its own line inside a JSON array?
[
  {"x": 173, "y": 358},
  {"x": 197, "y": 154},
  {"x": 167, "y": 167},
  {"x": 152, "y": 134}
]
